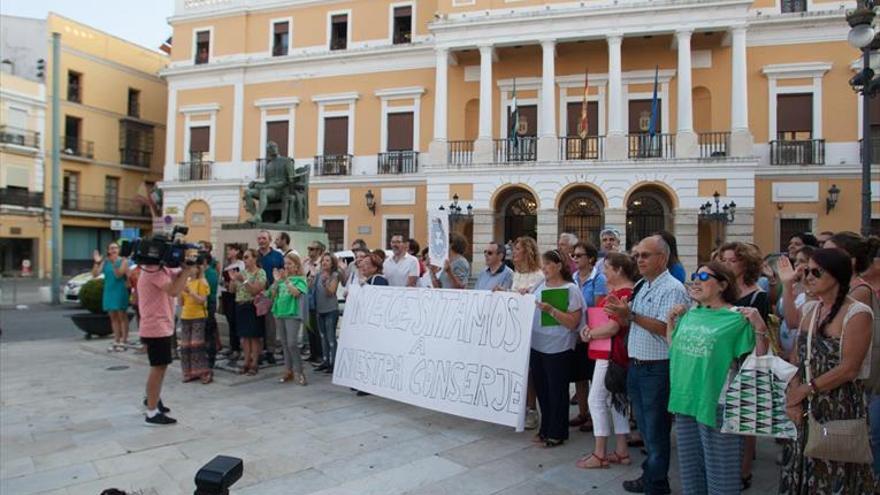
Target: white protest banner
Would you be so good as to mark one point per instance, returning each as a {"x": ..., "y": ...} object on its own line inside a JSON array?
[
  {"x": 462, "y": 352},
  {"x": 438, "y": 238}
]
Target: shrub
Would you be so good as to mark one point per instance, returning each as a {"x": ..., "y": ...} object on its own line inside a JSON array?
[{"x": 91, "y": 295}]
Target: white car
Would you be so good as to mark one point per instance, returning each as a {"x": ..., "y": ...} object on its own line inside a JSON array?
[{"x": 72, "y": 287}]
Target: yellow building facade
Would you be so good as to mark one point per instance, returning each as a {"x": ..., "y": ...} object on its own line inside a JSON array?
[
  {"x": 412, "y": 104},
  {"x": 22, "y": 220},
  {"x": 112, "y": 131}
]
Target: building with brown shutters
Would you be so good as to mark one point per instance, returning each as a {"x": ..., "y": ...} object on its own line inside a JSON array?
[
  {"x": 112, "y": 119},
  {"x": 409, "y": 103}
]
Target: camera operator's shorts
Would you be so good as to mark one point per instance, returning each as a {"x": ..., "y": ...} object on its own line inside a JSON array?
[{"x": 158, "y": 350}]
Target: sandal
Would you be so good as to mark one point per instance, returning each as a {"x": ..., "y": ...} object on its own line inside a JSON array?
[
  {"x": 538, "y": 438},
  {"x": 580, "y": 419},
  {"x": 251, "y": 372},
  {"x": 301, "y": 379},
  {"x": 208, "y": 378},
  {"x": 592, "y": 461},
  {"x": 243, "y": 370},
  {"x": 286, "y": 377},
  {"x": 615, "y": 458},
  {"x": 549, "y": 443}
]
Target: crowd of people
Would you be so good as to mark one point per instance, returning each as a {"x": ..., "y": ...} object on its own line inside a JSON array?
[{"x": 647, "y": 346}]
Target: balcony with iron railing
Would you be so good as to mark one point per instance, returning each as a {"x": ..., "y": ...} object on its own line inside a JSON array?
[
  {"x": 135, "y": 157},
  {"x": 102, "y": 205},
  {"x": 74, "y": 146},
  {"x": 797, "y": 152},
  {"x": 21, "y": 197},
  {"x": 398, "y": 162},
  {"x": 194, "y": 170},
  {"x": 713, "y": 144},
  {"x": 645, "y": 146},
  {"x": 460, "y": 152},
  {"x": 578, "y": 148},
  {"x": 19, "y": 137},
  {"x": 518, "y": 149},
  {"x": 332, "y": 165}
]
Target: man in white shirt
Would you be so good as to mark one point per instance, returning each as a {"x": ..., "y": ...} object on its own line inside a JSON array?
[{"x": 402, "y": 268}]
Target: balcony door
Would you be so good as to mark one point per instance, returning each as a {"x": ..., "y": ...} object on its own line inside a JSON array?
[
  {"x": 400, "y": 131},
  {"x": 528, "y": 121},
  {"x": 72, "y": 135},
  {"x": 199, "y": 143},
  {"x": 573, "y": 115},
  {"x": 277, "y": 132},
  {"x": 335, "y": 136},
  {"x": 794, "y": 117},
  {"x": 640, "y": 117}
]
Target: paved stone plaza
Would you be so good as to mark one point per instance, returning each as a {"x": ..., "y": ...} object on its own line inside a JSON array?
[{"x": 71, "y": 424}]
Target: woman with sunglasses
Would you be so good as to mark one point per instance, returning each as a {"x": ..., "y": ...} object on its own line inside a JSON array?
[
  {"x": 705, "y": 343},
  {"x": 840, "y": 329},
  {"x": 247, "y": 284},
  {"x": 553, "y": 341}
]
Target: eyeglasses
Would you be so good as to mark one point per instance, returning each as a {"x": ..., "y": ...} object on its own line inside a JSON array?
[
  {"x": 313, "y": 249},
  {"x": 578, "y": 255},
  {"x": 815, "y": 272},
  {"x": 704, "y": 276},
  {"x": 489, "y": 253}
]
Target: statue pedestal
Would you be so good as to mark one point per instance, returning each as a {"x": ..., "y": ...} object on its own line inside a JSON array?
[{"x": 246, "y": 234}]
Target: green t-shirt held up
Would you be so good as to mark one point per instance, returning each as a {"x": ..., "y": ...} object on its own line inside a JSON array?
[
  {"x": 285, "y": 304},
  {"x": 705, "y": 343}
]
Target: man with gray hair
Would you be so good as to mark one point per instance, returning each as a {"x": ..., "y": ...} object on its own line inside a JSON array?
[
  {"x": 609, "y": 240},
  {"x": 565, "y": 245},
  {"x": 648, "y": 372},
  {"x": 496, "y": 275}
]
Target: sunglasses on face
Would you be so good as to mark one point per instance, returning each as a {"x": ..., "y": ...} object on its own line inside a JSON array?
[
  {"x": 815, "y": 272},
  {"x": 703, "y": 276},
  {"x": 578, "y": 256}
]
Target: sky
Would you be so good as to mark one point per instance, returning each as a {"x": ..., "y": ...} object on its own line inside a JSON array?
[{"x": 142, "y": 22}]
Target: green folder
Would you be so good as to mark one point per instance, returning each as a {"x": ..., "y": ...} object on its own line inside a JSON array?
[{"x": 558, "y": 298}]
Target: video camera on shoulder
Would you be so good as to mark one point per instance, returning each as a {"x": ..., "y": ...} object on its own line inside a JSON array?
[{"x": 168, "y": 250}]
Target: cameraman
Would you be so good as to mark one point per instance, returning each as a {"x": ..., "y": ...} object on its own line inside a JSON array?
[{"x": 157, "y": 287}]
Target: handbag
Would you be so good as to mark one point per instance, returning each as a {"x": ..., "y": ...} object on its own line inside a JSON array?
[
  {"x": 841, "y": 440},
  {"x": 754, "y": 402},
  {"x": 262, "y": 304}
]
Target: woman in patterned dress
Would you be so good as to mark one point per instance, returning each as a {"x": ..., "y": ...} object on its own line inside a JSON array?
[{"x": 841, "y": 328}]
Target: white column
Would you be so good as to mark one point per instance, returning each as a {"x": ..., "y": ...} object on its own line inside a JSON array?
[
  {"x": 547, "y": 144},
  {"x": 740, "y": 136},
  {"x": 615, "y": 141},
  {"x": 437, "y": 150},
  {"x": 484, "y": 147},
  {"x": 171, "y": 136},
  {"x": 686, "y": 145},
  {"x": 238, "y": 122}
]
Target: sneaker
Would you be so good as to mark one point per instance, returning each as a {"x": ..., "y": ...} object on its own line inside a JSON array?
[
  {"x": 161, "y": 407},
  {"x": 160, "y": 419},
  {"x": 532, "y": 419}
]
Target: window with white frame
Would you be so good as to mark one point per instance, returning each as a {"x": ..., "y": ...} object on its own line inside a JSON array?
[
  {"x": 402, "y": 29},
  {"x": 339, "y": 31},
  {"x": 280, "y": 38},
  {"x": 202, "y": 52}
]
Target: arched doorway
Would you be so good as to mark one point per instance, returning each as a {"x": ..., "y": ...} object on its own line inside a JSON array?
[
  {"x": 197, "y": 217},
  {"x": 581, "y": 213},
  {"x": 648, "y": 210},
  {"x": 516, "y": 215}
]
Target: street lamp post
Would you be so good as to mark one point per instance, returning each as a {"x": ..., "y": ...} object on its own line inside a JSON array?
[
  {"x": 720, "y": 216},
  {"x": 861, "y": 36}
]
